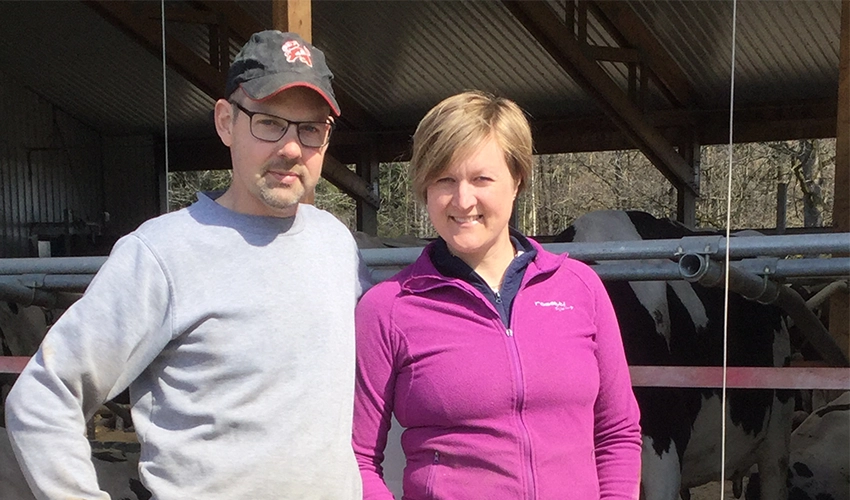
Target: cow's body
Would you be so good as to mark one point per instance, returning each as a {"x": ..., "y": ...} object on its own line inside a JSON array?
[
  {"x": 21, "y": 331},
  {"x": 21, "y": 328},
  {"x": 679, "y": 324},
  {"x": 820, "y": 456}
]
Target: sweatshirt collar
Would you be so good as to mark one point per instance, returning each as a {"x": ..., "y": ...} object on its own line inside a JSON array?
[{"x": 208, "y": 211}]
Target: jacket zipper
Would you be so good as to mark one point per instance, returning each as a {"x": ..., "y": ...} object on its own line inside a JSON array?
[{"x": 525, "y": 438}]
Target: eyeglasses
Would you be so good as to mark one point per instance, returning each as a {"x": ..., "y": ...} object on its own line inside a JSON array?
[{"x": 270, "y": 128}]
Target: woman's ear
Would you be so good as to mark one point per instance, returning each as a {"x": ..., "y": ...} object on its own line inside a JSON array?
[{"x": 223, "y": 118}]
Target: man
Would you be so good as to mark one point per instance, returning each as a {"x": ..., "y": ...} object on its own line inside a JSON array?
[{"x": 231, "y": 321}]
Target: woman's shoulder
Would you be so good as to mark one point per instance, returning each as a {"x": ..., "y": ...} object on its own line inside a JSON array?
[
  {"x": 581, "y": 271},
  {"x": 383, "y": 293}
]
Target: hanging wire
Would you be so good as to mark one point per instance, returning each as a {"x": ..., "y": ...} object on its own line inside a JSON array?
[
  {"x": 165, "y": 110},
  {"x": 726, "y": 259}
]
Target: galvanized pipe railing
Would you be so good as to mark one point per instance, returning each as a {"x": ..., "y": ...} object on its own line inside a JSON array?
[
  {"x": 657, "y": 256},
  {"x": 714, "y": 246},
  {"x": 700, "y": 269}
]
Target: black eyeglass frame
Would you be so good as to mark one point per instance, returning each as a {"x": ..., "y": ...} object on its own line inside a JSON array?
[{"x": 250, "y": 114}]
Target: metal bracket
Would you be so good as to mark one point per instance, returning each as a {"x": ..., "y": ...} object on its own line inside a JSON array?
[
  {"x": 32, "y": 280},
  {"x": 762, "y": 266},
  {"x": 701, "y": 245}
]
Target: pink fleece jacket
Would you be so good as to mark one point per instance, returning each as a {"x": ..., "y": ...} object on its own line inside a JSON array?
[{"x": 541, "y": 410}]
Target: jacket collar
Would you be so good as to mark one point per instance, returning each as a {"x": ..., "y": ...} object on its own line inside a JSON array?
[{"x": 422, "y": 275}]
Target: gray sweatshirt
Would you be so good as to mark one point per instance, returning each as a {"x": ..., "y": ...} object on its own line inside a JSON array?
[{"x": 235, "y": 334}]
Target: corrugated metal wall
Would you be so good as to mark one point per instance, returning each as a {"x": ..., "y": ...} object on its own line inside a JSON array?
[{"x": 50, "y": 170}]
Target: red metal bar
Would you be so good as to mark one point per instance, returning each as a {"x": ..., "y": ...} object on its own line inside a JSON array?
[
  {"x": 13, "y": 364},
  {"x": 741, "y": 378},
  {"x": 798, "y": 377}
]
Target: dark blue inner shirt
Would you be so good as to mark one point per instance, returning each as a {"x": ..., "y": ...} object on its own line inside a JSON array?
[{"x": 454, "y": 267}]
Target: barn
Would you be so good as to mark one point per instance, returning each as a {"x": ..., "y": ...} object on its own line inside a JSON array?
[{"x": 104, "y": 110}]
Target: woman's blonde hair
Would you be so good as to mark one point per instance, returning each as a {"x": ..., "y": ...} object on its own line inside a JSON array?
[{"x": 458, "y": 126}]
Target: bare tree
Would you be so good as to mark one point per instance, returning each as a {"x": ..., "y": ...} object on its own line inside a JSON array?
[{"x": 566, "y": 186}]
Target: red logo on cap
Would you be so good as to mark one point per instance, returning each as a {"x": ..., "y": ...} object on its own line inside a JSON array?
[{"x": 296, "y": 52}]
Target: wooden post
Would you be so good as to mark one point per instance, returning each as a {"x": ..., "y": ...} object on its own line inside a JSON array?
[
  {"x": 686, "y": 202},
  {"x": 294, "y": 16},
  {"x": 839, "y": 305},
  {"x": 367, "y": 168}
]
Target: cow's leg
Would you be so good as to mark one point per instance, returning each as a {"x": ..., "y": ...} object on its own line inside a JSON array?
[
  {"x": 661, "y": 475},
  {"x": 772, "y": 455}
]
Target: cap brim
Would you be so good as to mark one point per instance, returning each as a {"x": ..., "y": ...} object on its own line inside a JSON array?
[{"x": 260, "y": 89}]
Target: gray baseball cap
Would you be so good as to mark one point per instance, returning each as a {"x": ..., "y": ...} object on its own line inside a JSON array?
[{"x": 273, "y": 61}]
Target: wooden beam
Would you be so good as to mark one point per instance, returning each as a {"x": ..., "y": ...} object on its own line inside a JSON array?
[
  {"x": 686, "y": 202},
  {"x": 841, "y": 209},
  {"x": 197, "y": 154},
  {"x": 815, "y": 119},
  {"x": 668, "y": 73},
  {"x": 142, "y": 23},
  {"x": 134, "y": 18},
  {"x": 211, "y": 154},
  {"x": 240, "y": 24},
  {"x": 839, "y": 304},
  {"x": 345, "y": 179},
  {"x": 613, "y": 54},
  {"x": 294, "y": 16},
  {"x": 368, "y": 169},
  {"x": 539, "y": 20},
  {"x": 762, "y": 123},
  {"x": 243, "y": 26}
]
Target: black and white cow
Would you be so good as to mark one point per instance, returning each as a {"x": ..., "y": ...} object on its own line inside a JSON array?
[
  {"x": 21, "y": 331},
  {"x": 681, "y": 324},
  {"x": 820, "y": 456},
  {"x": 21, "y": 328}
]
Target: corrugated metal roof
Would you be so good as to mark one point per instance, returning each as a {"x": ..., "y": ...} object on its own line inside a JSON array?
[
  {"x": 785, "y": 50},
  {"x": 398, "y": 58},
  {"x": 67, "y": 53}
]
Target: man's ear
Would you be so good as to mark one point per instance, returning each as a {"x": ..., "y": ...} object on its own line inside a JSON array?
[{"x": 224, "y": 121}]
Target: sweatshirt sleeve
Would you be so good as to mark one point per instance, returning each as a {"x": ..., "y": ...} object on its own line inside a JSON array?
[
  {"x": 92, "y": 353},
  {"x": 617, "y": 430},
  {"x": 374, "y": 389}
]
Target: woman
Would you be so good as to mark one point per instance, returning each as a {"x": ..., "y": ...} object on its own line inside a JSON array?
[{"x": 503, "y": 361}]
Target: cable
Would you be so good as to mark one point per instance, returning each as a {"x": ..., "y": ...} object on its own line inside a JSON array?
[
  {"x": 726, "y": 259},
  {"x": 165, "y": 111}
]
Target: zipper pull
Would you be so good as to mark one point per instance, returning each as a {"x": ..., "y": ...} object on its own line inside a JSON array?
[
  {"x": 509, "y": 332},
  {"x": 436, "y": 457}
]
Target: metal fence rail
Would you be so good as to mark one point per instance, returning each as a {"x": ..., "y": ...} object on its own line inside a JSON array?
[
  {"x": 764, "y": 255},
  {"x": 678, "y": 376},
  {"x": 761, "y": 257}
]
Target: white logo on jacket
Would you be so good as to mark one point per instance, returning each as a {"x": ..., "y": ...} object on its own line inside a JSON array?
[{"x": 557, "y": 304}]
